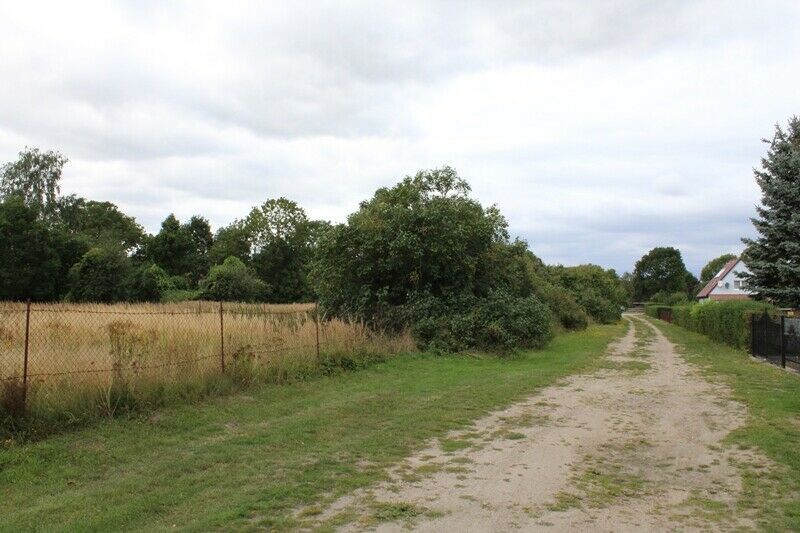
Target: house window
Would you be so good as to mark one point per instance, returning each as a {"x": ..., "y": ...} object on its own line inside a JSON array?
[{"x": 737, "y": 284}]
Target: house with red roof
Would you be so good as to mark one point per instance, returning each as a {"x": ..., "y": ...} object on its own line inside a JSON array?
[{"x": 728, "y": 284}]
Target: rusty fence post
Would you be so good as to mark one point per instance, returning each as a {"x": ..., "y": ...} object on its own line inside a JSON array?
[
  {"x": 221, "y": 339},
  {"x": 316, "y": 325},
  {"x": 25, "y": 360}
]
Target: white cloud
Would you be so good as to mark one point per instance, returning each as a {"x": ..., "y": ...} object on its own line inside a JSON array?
[{"x": 600, "y": 129}]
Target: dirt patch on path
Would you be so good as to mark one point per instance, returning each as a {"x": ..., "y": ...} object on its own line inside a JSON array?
[{"x": 636, "y": 445}]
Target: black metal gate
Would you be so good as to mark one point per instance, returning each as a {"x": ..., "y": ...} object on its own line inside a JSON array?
[
  {"x": 775, "y": 339},
  {"x": 791, "y": 339}
]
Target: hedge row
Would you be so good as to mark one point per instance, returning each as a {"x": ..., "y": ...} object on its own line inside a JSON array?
[{"x": 727, "y": 321}]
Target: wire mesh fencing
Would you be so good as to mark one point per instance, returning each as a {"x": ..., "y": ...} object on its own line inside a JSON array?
[{"x": 54, "y": 353}]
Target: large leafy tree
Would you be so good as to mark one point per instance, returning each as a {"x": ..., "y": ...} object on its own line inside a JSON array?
[
  {"x": 282, "y": 240},
  {"x": 73, "y": 225},
  {"x": 714, "y": 266},
  {"x": 35, "y": 176},
  {"x": 181, "y": 249},
  {"x": 774, "y": 256},
  {"x": 99, "y": 223},
  {"x": 171, "y": 248},
  {"x": 29, "y": 259},
  {"x": 661, "y": 270},
  {"x": 202, "y": 239},
  {"x": 230, "y": 241},
  {"x": 422, "y": 236}
]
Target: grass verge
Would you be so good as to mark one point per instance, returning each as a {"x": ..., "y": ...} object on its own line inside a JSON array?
[
  {"x": 247, "y": 461},
  {"x": 773, "y": 426}
]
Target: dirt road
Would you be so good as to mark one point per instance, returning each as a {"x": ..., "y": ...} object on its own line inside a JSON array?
[{"x": 636, "y": 445}]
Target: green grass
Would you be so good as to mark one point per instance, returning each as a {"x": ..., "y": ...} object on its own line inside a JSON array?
[
  {"x": 634, "y": 368},
  {"x": 644, "y": 336},
  {"x": 564, "y": 501},
  {"x": 396, "y": 512},
  {"x": 772, "y": 396},
  {"x": 247, "y": 461},
  {"x": 603, "y": 483},
  {"x": 180, "y": 295}
]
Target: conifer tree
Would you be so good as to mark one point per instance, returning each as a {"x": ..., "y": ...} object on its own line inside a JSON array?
[{"x": 774, "y": 256}]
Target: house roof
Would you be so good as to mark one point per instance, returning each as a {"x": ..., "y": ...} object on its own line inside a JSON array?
[{"x": 704, "y": 293}]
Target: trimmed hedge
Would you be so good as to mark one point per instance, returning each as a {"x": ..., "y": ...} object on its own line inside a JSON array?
[{"x": 727, "y": 321}]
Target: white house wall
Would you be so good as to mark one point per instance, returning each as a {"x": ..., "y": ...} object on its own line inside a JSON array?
[{"x": 730, "y": 278}]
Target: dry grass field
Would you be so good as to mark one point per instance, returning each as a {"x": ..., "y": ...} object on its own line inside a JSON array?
[{"x": 75, "y": 351}]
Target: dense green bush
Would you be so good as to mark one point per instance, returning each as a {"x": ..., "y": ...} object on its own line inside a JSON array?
[
  {"x": 147, "y": 283},
  {"x": 563, "y": 306},
  {"x": 725, "y": 321},
  {"x": 499, "y": 322},
  {"x": 600, "y": 309},
  {"x": 233, "y": 281},
  {"x": 424, "y": 236},
  {"x": 424, "y": 255},
  {"x": 100, "y": 276},
  {"x": 600, "y": 292}
]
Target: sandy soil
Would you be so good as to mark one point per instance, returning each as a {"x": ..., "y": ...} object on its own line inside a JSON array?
[{"x": 634, "y": 446}]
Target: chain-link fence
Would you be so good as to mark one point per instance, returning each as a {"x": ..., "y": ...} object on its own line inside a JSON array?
[{"x": 53, "y": 353}]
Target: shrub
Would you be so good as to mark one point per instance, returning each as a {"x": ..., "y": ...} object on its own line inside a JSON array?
[
  {"x": 99, "y": 276},
  {"x": 179, "y": 283},
  {"x": 148, "y": 283},
  {"x": 233, "y": 281},
  {"x": 601, "y": 293},
  {"x": 498, "y": 323},
  {"x": 424, "y": 236},
  {"x": 563, "y": 306},
  {"x": 600, "y": 309}
]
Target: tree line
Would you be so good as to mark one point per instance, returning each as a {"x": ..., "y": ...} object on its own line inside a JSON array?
[
  {"x": 55, "y": 247},
  {"x": 422, "y": 254}
]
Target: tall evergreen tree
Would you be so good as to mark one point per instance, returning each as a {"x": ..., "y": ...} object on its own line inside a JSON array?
[{"x": 774, "y": 256}]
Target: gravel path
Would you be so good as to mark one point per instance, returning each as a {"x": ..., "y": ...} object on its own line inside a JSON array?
[{"x": 633, "y": 446}]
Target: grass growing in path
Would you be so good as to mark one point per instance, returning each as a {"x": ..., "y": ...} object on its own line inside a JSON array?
[
  {"x": 773, "y": 399},
  {"x": 247, "y": 461}
]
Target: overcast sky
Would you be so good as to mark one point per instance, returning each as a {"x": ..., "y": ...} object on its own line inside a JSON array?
[{"x": 600, "y": 129}]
